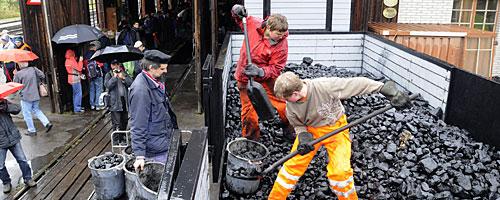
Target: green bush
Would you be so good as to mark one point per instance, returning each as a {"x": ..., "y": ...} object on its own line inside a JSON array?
[{"x": 9, "y": 9}]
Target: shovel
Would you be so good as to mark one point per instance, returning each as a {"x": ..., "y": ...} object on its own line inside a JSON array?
[
  {"x": 256, "y": 92},
  {"x": 320, "y": 139}
]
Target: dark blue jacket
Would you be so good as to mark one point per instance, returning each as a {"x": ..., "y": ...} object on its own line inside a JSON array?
[
  {"x": 9, "y": 134},
  {"x": 152, "y": 120}
]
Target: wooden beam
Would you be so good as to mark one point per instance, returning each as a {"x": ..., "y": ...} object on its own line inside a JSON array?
[{"x": 197, "y": 49}]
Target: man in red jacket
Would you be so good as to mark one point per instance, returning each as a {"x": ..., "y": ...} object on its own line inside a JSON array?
[{"x": 269, "y": 52}]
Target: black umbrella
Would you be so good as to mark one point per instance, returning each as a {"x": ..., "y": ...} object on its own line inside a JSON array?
[
  {"x": 76, "y": 34},
  {"x": 122, "y": 53}
]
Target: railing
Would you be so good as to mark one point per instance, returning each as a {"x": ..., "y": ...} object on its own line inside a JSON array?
[{"x": 14, "y": 26}]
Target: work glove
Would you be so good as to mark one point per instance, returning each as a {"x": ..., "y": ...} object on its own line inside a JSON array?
[
  {"x": 304, "y": 138},
  {"x": 3, "y": 105},
  {"x": 239, "y": 11},
  {"x": 139, "y": 164},
  {"x": 397, "y": 98},
  {"x": 254, "y": 70}
]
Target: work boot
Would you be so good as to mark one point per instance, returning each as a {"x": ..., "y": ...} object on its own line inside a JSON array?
[
  {"x": 30, "y": 183},
  {"x": 7, "y": 187},
  {"x": 48, "y": 127}
]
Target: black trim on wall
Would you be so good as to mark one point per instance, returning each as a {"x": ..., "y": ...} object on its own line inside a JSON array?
[
  {"x": 329, "y": 15},
  {"x": 267, "y": 8},
  {"x": 473, "y": 105}
]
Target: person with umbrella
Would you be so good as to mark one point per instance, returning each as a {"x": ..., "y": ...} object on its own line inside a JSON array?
[
  {"x": 6, "y": 44},
  {"x": 20, "y": 44},
  {"x": 74, "y": 70},
  {"x": 117, "y": 82},
  {"x": 152, "y": 120},
  {"x": 10, "y": 139},
  {"x": 30, "y": 77},
  {"x": 94, "y": 75}
]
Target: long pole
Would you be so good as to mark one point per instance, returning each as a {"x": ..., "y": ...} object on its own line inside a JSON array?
[
  {"x": 316, "y": 141},
  {"x": 54, "y": 87}
]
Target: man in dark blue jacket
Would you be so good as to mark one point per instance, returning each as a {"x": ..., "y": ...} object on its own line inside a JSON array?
[
  {"x": 152, "y": 120},
  {"x": 10, "y": 140}
]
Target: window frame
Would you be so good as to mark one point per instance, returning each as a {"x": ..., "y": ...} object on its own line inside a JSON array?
[{"x": 473, "y": 12}]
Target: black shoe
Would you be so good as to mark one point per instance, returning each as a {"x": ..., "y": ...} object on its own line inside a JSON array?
[
  {"x": 30, "y": 133},
  {"x": 7, "y": 188},
  {"x": 48, "y": 127}
]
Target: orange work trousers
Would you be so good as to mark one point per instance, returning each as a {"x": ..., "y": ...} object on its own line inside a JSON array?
[
  {"x": 249, "y": 117},
  {"x": 339, "y": 167}
]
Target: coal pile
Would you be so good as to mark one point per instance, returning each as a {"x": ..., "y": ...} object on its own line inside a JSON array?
[
  {"x": 400, "y": 154},
  {"x": 151, "y": 176},
  {"x": 106, "y": 161}
]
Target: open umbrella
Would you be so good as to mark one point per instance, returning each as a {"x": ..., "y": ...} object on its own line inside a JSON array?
[
  {"x": 9, "y": 88},
  {"x": 122, "y": 53},
  {"x": 17, "y": 55},
  {"x": 76, "y": 34}
]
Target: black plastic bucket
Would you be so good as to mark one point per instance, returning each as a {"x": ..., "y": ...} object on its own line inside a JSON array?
[{"x": 244, "y": 162}]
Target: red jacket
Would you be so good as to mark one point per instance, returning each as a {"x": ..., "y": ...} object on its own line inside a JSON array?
[
  {"x": 73, "y": 67},
  {"x": 271, "y": 58}
]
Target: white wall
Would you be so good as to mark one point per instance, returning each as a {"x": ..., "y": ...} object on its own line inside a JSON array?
[
  {"x": 410, "y": 72},
  {"x": 340, "y": 50},
  {"x": 306, "y": 14},
  {"x": 425, "y": 11},
  {"x": 496, "y": 61}
]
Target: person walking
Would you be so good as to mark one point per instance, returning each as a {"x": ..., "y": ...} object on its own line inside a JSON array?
[
  {"x": 74, "y": 70},
  {"x": 10, "y": 140},
  {"x": 117, "y": 82},
  {"x": 9, "y": 67},
  {"x": 94, "y": 75},
  {"x": 152, "y": 120},
  {"x": 269, "y": 52},
  {"x": 315, "y": 109},
  {"x": 31, "y": 77}
]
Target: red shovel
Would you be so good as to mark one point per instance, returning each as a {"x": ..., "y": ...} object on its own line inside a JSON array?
[{"x": 9, "y": 88}]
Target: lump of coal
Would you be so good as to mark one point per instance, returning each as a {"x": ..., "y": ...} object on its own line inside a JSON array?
[
  {"x": 106, "y": 161},
  {"x": 426, "y": 162}
]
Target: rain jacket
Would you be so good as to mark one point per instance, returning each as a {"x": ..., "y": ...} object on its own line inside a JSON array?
[
  {"x": 271, "y": 58},
  {"x": 152, "y": 120},
  {"x": 24, "y": 47},
  {"x": 112, "y": 83},
  {"x": 73, "y": 67},
  {"x": 9, "y": 134}
]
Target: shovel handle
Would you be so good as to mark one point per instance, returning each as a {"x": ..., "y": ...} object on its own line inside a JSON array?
[
  {"x": 247, "y": 44},
  {"x": 317, "y": 140}
]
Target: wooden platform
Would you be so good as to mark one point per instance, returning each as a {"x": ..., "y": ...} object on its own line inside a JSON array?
[{"x": 70, "y": 177}]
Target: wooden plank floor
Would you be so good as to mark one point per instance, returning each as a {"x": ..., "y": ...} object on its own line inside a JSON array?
[{"x": 70, "y": 178}]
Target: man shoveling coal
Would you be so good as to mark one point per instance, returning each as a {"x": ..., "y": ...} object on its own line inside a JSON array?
[{"x": 314, "y": 108}]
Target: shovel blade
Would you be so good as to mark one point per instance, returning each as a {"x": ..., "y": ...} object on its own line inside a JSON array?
[{"x": 260, "y": 101}]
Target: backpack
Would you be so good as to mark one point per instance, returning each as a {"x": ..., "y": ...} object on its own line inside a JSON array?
[{"x": 93, "y": 70}]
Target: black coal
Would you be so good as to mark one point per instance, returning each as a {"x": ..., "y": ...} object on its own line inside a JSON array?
[
  {"x": 108, "y": 160},
  {"x": 401, "y": 154}
]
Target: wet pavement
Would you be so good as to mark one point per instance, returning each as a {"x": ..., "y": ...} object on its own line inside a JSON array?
[{"x": 45, "y": 147}]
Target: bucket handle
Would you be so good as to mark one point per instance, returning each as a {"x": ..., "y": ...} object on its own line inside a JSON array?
[{"x": 257, "y": 162}]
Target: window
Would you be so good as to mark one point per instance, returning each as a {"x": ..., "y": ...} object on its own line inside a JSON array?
[
  {"x": 478, "y": 56},
  {"x": 93, "y": 13},
  {"x": 479, "y": 14}
]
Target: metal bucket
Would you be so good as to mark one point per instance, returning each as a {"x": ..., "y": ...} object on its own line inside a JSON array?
[
  {"x": 131, "y": 179},
  {"x": 108, "y": 183},
  {"x": 242, "y": 172},
  {"x": 153, "y": 171}
]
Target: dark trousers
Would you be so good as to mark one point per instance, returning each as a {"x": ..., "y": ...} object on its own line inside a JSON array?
[{"x": 119, "y": 120}]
